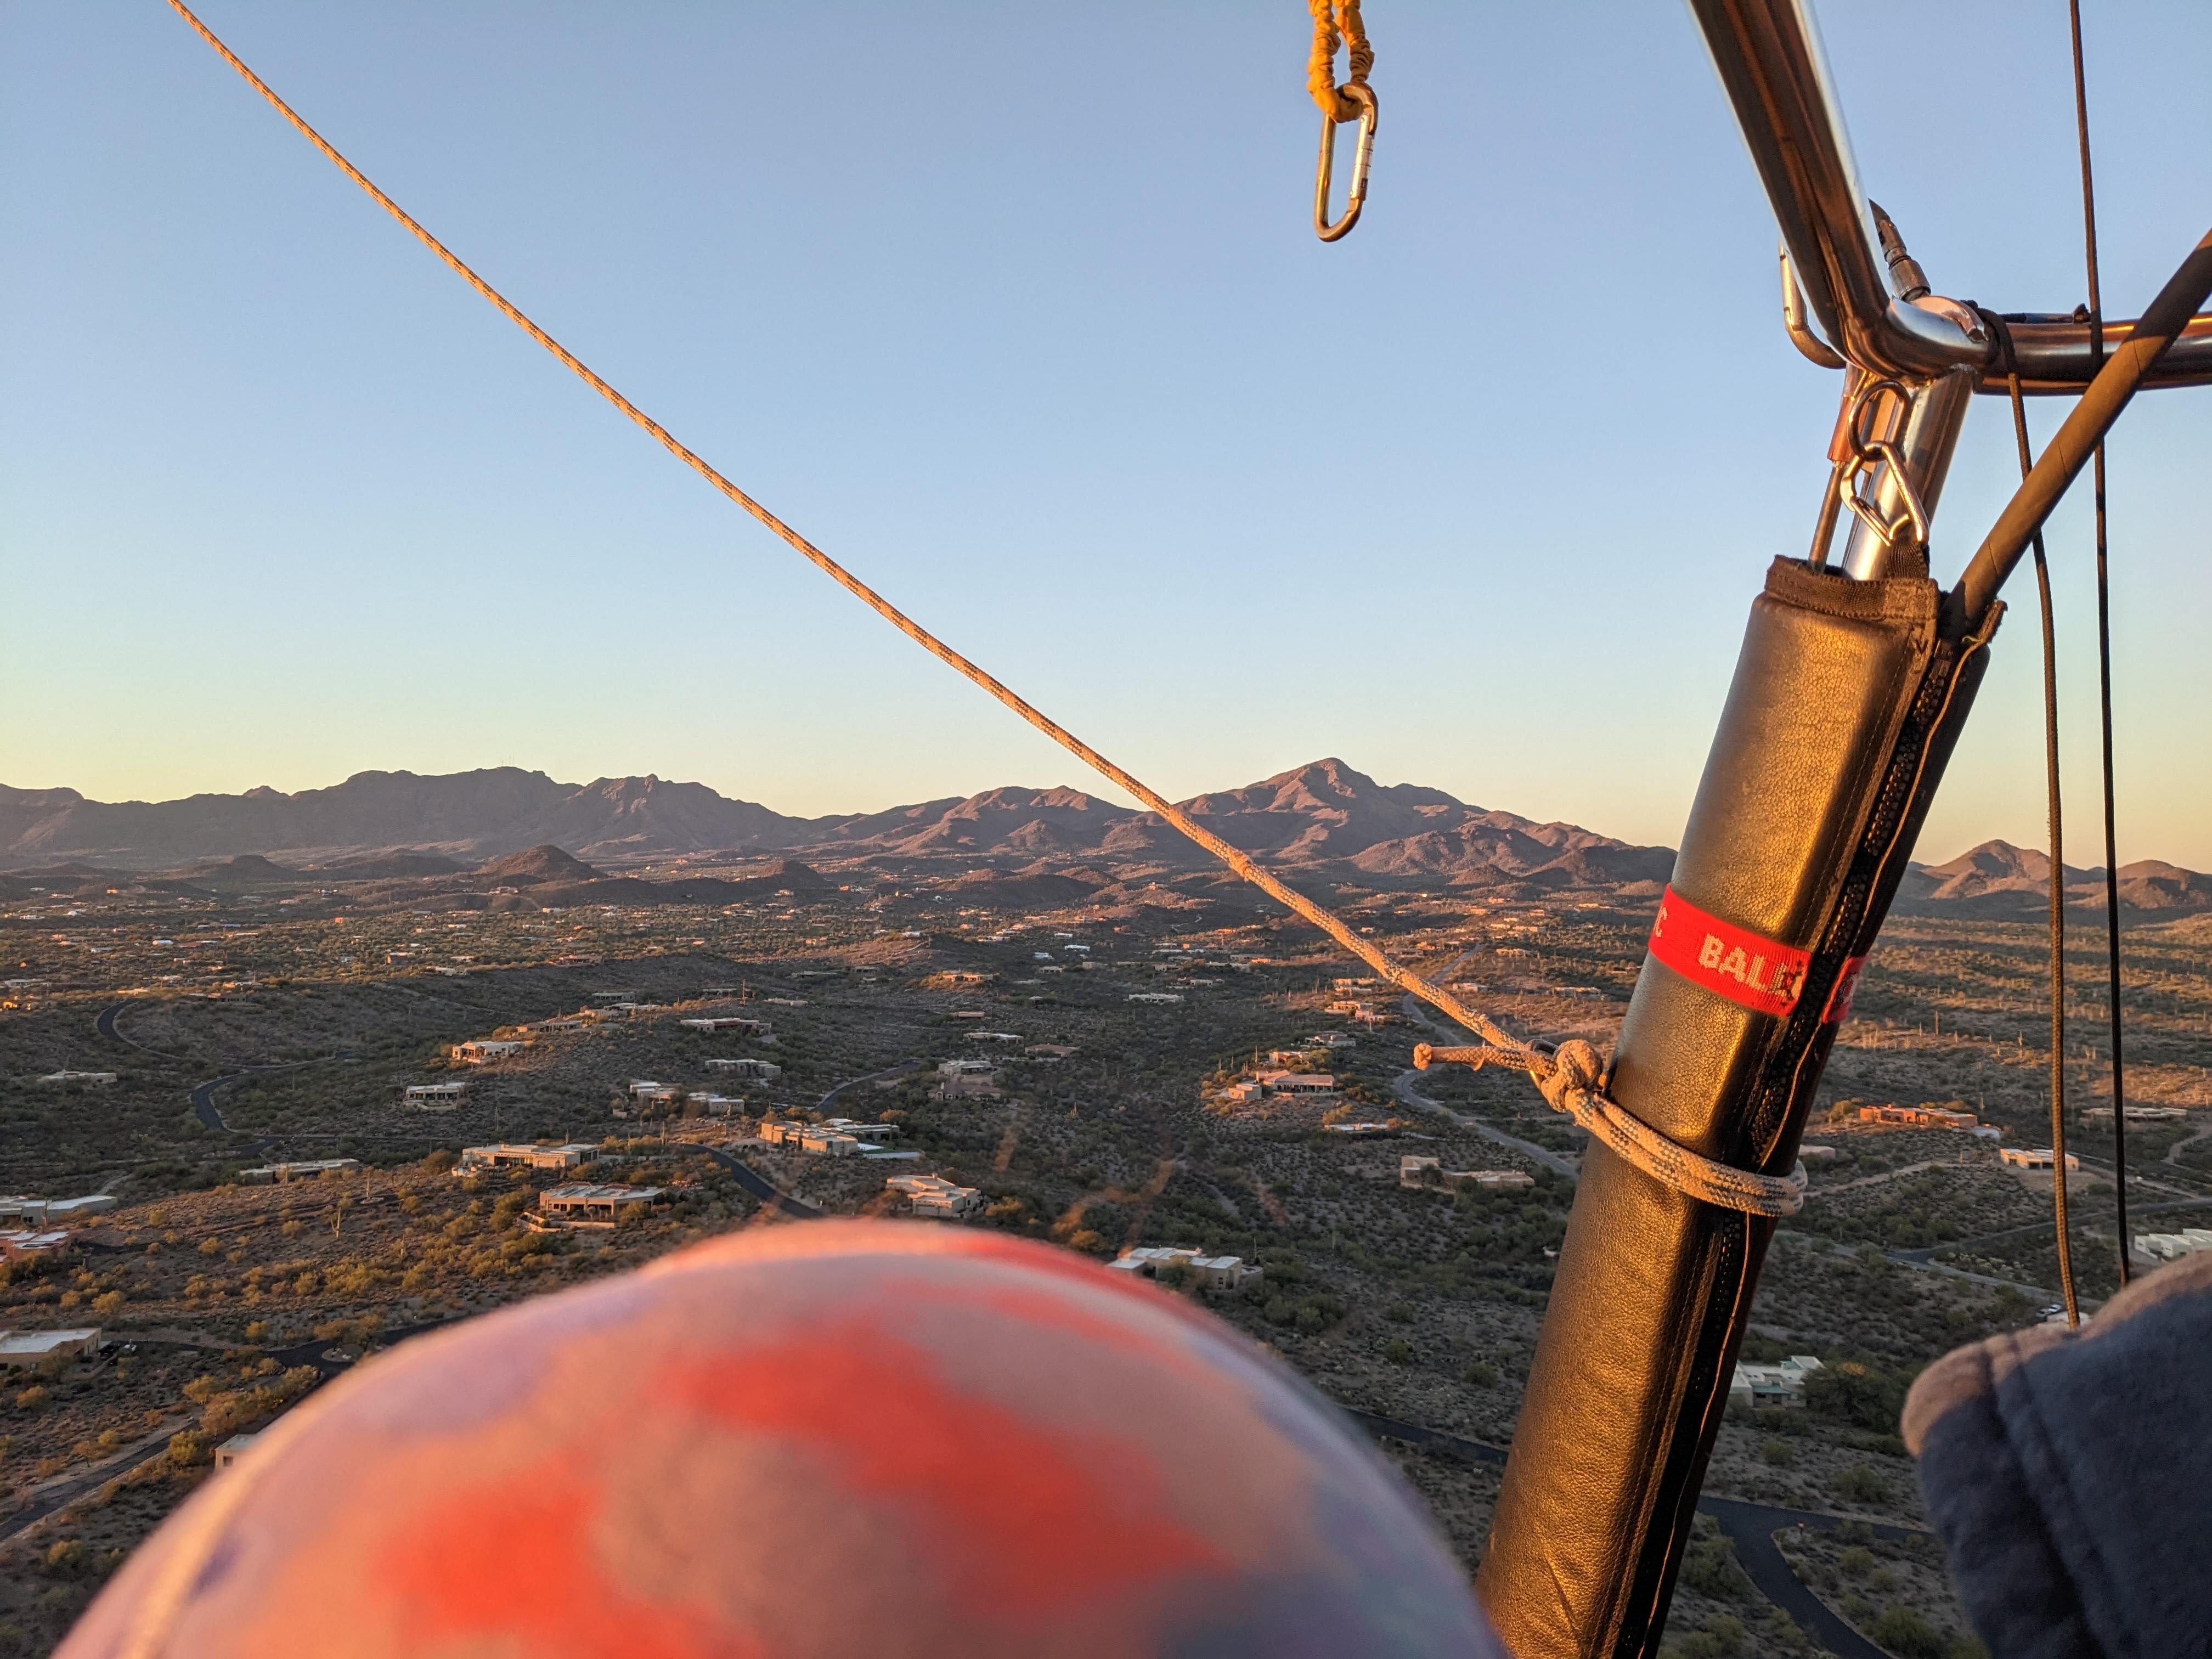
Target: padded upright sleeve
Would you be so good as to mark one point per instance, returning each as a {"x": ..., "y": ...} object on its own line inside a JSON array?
[{"x": 1846, "y": 699}]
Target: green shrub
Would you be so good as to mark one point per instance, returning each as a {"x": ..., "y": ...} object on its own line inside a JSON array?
[{"x": 1909, "y": 1635}]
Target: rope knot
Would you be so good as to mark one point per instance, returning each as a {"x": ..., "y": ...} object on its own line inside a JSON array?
[{"x": 1577, "y": 1068}]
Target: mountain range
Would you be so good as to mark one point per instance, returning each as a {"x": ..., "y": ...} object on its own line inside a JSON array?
[{"x": 510, "y": 830}]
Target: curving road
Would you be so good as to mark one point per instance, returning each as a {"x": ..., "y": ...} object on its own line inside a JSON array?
[
  {"x": 1749, "y": 1526},
  {"x": 888, "y": 1072},
  {"x": 761, "y": 1186}
]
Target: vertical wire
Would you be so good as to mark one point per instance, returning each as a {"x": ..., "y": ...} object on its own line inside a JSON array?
[
  {"x": 2104, "y": 658},
  {"x": 1996, "y": 325}
]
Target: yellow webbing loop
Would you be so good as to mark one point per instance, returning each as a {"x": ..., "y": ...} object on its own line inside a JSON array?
[{"x": 1335, "y": 20}]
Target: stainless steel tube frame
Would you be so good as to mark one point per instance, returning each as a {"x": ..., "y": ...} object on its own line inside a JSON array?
[{"x": 1767, "y": 53}]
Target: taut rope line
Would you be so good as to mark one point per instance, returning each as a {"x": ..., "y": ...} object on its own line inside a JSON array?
[{"x": 1575, "y": 1088}]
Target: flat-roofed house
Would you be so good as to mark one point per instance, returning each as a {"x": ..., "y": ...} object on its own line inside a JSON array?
[
  {"x": 582, "y": 1204},
  {"x": 766, "y": 1070},
  {"x": 1415, "y": 1170},
  {"x": 1216, "y": 1272},
  {"x": 511, "y": 1155},
  {"x": 301, "y": 1169},
  {"x": 435, "y": 1096},
  {"x": 36, "y": 1347},
  {"x": 22, "y": 1244},
  {"x": 484, "y": 1050},
  {"x": 933, "y": 1195}
]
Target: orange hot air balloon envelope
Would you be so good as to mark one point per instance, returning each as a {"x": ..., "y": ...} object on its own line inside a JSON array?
[{"x": 856, "y": 1438}]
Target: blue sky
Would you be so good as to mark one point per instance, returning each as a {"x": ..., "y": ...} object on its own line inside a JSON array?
[{"x": 1015, "y": 309}]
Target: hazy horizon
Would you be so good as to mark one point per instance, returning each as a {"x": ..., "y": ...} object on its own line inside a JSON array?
[
  {"x": 280, "y": 500},
  {"x": 1100, "y": 790}
]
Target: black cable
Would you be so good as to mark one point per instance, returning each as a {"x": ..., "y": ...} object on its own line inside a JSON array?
[
  {"x": 1996, "y": 325},
  {"x": 2104, "y": 655}
]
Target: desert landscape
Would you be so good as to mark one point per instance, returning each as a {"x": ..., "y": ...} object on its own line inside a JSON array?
[{"x": 325, "y": 1086}]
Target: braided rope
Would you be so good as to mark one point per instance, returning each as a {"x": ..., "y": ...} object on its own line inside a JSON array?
[
  {"x": 1333, "y": 20},
  {"x": 1573, "y": 1081},
  {"x": 1569, "y": 1080},
  {"x": 1297, "y": 904}
]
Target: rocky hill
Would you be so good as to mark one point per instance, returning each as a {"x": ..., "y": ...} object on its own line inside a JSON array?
[
  {"x": 1998, "y": 881},
  {"x": 463, "y": 814},
  {"x": 478, "y": 832}
]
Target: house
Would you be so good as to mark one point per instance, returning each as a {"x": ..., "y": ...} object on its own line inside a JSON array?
[
  {"x": 766, "y": 1070},
  {"x": 1051, "y": 1051},
  {"x": 1366, "y": 1128},
  {"x": 784, "y": 1002},
  {"x": 35, "y": 1347},
  {"x": 2034, "y": 1157},
  {"x": 969, "y": 1086},
  {"x": 966, "y": 1014},
  {"x": 728, "y": 1023},
  {"x": 645, "y": 1092},
  {"x": 1415, "y": 1170},
  {"x": 1918, "y": 1117},
  {"x": 584, "y": 1205},
  {"x": 1246, "y": 1093},
  {"x": 435, "y": 1096},
  {"x": 710, "y": 1104},
  {"x": 508, "y": 1155},
  {"x": 485, "y": 1050},
  {"x": 307, "y": 1170},
  {"x": 861, "y": 1131},
  {"x": 2151, "y": 1248},
  {"x": 1215, "y": 1273},
  {"x": 1772, "y": 1385},
  {"x": 19, "y": 1243},
  {"x": 2137, "y": 1114},
  {"x": 933, "y": 1195},
  {"x": 1298, "y": 1083},
  {"x": 227, "y": 1453},
  {"x": 1332, "y": 1040},
  {"x": 1155, "y": 996},
  {"x": 830, "y": 1143},
  {"x": 1288, "y": 1058},
  {"x": 563, "y": 1023},
  {"x": 68, "y": 1076},
  {"x": 964, "y": 1067},
  {"x": 994, "y": 1036},
  {"x": 45, "y": 1211},
  {"x": 1349, "y": 1009}
]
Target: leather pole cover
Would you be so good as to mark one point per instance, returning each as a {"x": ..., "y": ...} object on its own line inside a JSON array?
[{"x": 1847, "y": 698}]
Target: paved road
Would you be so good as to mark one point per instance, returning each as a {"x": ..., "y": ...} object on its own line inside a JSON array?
[
  {"x": 1402, "y": 1086},
  {"x": 105, "y": 1025},
  {"x": 148, "y": 1447},
  {"x": 2033, "y": 1227},
  {"x": 204, "y": 1095},
  {"x": 1750, "y": 1526},
  {"x": 888, "y": 1072},
  {"x": 761, "y": 1186}
]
